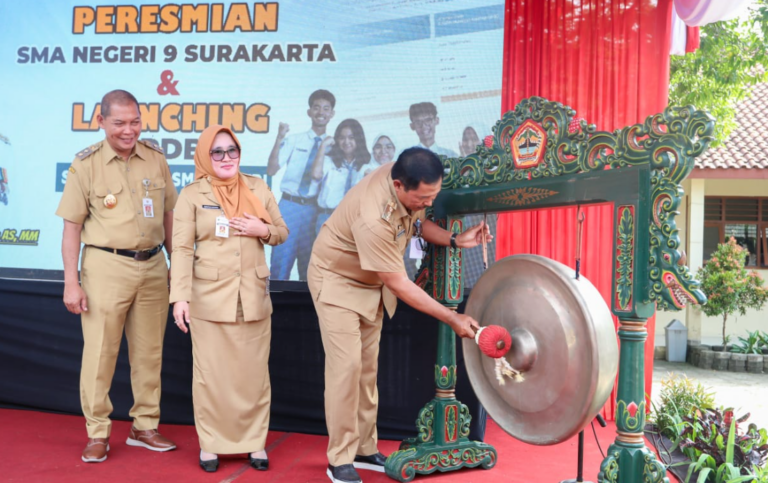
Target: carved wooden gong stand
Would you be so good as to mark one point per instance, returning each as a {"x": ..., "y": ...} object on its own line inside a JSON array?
[{"x": 534, "y": 161}]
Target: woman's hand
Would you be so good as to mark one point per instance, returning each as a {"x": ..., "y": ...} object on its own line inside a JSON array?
[
  {"x": 249, "y": 226},
  {"x": 181, "y": 315}
]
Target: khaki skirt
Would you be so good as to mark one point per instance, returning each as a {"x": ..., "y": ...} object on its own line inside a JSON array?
[{"x": 230, "y": 384}]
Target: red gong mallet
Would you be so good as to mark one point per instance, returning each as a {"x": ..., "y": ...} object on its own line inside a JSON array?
[{"x": 494, "y": 341}]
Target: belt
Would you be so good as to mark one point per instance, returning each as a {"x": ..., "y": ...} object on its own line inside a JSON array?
[
  {"x": 325, "y": 211},
  {"x": 299, "y": 199},
  {"x": 140, "y": 255}
]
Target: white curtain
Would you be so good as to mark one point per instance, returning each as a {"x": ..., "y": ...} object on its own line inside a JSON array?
[
  {"x": 697, "y": 13},
  {"x": 679, "y": 34}
]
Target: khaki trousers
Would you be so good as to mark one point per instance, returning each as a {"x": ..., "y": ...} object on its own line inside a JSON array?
[
  {"x": 123, "y": 294},
  {"x": 231, "y": 391},
  {"x": 351, "y": 344}
]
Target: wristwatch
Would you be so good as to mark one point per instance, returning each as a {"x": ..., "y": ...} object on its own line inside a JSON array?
[{"x": 453, "y": 240}]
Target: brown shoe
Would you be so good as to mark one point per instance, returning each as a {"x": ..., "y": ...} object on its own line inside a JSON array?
[
  {"x": 149, "y": 439},
  {"x": 96, "y": 450}
]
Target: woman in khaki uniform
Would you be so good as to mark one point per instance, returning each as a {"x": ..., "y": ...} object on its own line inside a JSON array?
[{"x": 220, "y": 287}]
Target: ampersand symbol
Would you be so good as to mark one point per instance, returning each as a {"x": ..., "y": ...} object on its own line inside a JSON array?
[{"x": 167, "y": 84}]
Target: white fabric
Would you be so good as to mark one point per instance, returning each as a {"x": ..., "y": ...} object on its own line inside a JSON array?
[
  {"x": 697, "y": 13},
  {"x": 679, "y": 34}
]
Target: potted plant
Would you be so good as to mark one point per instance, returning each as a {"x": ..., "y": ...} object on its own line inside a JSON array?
[
  {"x": 764, "y": 342},
  {"x": 725, "y": 347},
  {"x": 678, "y": 397},
  {"x": 719, "y": 450},
  {"x": 729, "y": 287},
  {"x": 751, "y": 345}
]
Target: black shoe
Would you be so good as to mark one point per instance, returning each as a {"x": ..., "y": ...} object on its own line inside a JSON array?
[
  {"x": 258, "y": 463},
  {"x": 343, "y": 474},
  {"x": 375, "y": 462},
  {"x": 209, "y": 466}
]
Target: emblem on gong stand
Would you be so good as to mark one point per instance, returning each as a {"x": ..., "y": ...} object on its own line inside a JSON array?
[{"x": 528, "y": 144}]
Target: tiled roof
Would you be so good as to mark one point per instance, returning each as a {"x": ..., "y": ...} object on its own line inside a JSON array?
[{"x": 747, "y": 146}]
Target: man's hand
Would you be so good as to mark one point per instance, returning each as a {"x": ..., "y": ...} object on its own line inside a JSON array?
[
  {"x": 181, "y": 315},
  {"x": 472, "y": 237},
  {"x": 463, "y": 325},
  {"x": 75, "y": 299}
]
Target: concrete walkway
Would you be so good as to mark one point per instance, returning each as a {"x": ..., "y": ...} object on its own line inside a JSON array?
[{"x": 746, "y": 393}]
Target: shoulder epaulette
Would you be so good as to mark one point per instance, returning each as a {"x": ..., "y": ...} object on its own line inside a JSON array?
[
  {"x": 151, "y": 143},
  {"x": 89, "y": 150}
]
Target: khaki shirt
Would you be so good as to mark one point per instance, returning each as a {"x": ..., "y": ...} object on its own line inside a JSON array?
[
  {"x": 363, "y": 236},
  {"x": 210, "y": 272},
  {"x": 98, "y": 171}
]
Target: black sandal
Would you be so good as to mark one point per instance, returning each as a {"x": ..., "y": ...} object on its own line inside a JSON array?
[
  {"x": 258, "y": 463},
  {"x": 209, "y": 466}
]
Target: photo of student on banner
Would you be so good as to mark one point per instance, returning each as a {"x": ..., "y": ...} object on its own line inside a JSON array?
[
  {"x": 383, "y": 149},
  {"x": 424, "y": 122},
  {"x": 471, "y": 137},
  {"x": 342, "y": 168},
  {"x": 4, "y": 186},
  {"x": 298, "y": 204}
]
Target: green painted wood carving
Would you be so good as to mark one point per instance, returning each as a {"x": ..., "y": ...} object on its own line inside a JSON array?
[{"x": 539, "y": 157}]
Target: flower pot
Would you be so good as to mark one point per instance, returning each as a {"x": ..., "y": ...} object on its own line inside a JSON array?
[
  {"x": 707, "y": 357},
  {"x": 738, "y": 363},
  {"x": 765, "y": 365},
  {"x": 695, "y": 351},
  {"x": 720, "y": 360},
  {"x": 755, "y": 363}
]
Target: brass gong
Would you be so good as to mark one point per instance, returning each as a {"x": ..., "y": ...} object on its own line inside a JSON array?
[{"x": 563, "y": 341}]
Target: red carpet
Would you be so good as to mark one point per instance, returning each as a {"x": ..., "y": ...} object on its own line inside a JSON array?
[{"x": 41, "y": 447}]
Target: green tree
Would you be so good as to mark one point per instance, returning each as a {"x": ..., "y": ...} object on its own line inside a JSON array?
[
  {"x": 729, "y": 287},
  {"x": 732, "y": 58}
]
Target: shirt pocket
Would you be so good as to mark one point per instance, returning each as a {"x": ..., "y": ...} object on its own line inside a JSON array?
[
  {"x": 102, "y": 190},
  {"x": 262, "y": 271},
  {"x": 156, "y": 192}
]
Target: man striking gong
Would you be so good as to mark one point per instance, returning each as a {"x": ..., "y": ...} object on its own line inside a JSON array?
[{"x": 355, "y": 271}]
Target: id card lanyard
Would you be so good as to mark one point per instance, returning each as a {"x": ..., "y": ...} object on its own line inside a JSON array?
[{"x": 148, "y": 207}]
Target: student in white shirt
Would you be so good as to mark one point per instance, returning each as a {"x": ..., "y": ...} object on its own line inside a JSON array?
[
  {"x": 294, "y": 155},
  {"x": 424, "y": 121},
  {"x": 384, "y": 149},
  {"x": 343, "y": 167}
]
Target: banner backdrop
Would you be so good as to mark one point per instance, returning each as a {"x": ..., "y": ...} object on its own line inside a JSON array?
[{"x": 251, "y": 67}]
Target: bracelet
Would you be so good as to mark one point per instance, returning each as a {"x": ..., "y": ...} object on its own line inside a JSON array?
[{"x": 453, "y": 240}]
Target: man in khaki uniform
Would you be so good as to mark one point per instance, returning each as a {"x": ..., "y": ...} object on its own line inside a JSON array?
[
  {"x": 118, "y": 201},
  {"x": 355, "y": 271}
]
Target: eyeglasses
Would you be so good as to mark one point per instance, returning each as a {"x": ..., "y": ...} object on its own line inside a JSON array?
[
  {"x": 424, "y": 122},
  {"x": 218, "y": 154}
]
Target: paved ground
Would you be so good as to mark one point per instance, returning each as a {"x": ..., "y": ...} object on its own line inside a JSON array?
[{"x": 743, "y": 392}]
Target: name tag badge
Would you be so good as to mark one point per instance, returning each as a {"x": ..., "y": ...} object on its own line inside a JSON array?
[
  {"x": 416, "y": 252},
  {"x": 149, "y": 209},
  {"x": 222, "y": 227},
  {"x": 401, "y": 233},
  {"x": 211, "y": 207}
]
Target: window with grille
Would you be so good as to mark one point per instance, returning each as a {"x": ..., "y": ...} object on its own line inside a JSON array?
[{"x": 745, "y": 219}]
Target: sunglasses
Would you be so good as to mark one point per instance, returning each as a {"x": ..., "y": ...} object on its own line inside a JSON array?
[{"x": 218, "y": 154}]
